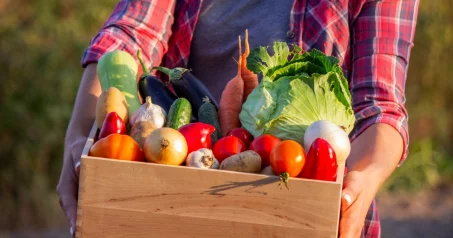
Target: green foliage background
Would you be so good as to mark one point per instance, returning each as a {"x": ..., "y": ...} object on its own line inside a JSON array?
[{"x": 41, "y": 43}]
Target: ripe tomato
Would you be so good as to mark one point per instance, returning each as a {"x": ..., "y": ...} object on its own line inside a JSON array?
[
  {"x": 242, "y": 134},
  {"x": 263, "y": 145},
  {"x": 228, "y": 146},
  {"x": 287, "y": 159}
]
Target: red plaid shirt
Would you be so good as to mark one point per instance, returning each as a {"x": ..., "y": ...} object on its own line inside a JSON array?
[{"x": 372, "y": 39}]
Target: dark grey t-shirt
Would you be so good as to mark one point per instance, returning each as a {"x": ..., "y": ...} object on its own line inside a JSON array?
[{"x": 215, "y": 40}]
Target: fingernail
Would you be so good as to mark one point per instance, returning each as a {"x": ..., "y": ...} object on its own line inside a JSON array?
[
  {"x": 348, "y": 198},
  {"x": 71, "y": 230}
]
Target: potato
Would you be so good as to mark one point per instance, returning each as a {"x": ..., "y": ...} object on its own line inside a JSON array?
[
  {"x": 141, "y": 130},
  {"x": 268, "y": 171},
  {"x": 111, "y": 100},
  {"x": 247, "y": 161}
]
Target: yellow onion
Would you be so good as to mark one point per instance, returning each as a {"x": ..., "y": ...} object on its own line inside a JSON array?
[{"x": 166, "y": 146}]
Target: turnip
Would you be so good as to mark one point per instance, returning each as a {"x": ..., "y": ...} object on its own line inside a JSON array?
[{"x": 333, "y": 134}]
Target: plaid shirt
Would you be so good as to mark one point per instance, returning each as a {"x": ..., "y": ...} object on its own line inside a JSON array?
[{"x": 372, "y": 39}]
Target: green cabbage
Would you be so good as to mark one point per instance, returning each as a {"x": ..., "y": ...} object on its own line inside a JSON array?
[{"x": 296, "y": 90}]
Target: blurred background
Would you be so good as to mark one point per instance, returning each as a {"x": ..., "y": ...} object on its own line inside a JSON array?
[{"x": 41, "y": 43}]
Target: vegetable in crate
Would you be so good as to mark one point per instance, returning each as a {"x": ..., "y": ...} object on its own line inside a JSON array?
[
  {"x": 231, "y": 100},
  {"x": 113, "y": 124},
  {"x": 179, "y": 114},
  {"x": 228, "y": 146},
  {"x": 111, "y": 100},
  {"x": 165, "y": 146},
  {"x": 202, "y": 158},
  {"x": 250, "y": 79},
  {"x": 287, "y": 160},
  {"x": 186, "y": 85},
  {"x": 242, "y": 134},
  {"x": 197, "y": 135},
  {"x": 208, "y": 114},
  {"x": 149, "y": 85},
  {"x": 333, "y": 134},
  {"x": 321, "y": 162},
  {"x": 263, "y": 145},
  {"x": 141, "y": 130},
  {"x": 295, "y": 93},
  {"x": 118, "y": 69},
  {"x": 149, "y": 112},
  {"x": 117, "y": 146},
  {"x": 267, "y": 171},
  {"x": 248, "y": 161}
]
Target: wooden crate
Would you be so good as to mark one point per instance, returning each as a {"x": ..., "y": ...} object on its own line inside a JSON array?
[{"x": 136, "y": 199}]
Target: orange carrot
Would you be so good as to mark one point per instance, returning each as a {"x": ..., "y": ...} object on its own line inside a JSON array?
[
  {"x": 250, "y": 79},
  {"x": 230, "y": 104}
]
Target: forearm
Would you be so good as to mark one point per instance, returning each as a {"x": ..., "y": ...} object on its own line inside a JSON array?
[
  {"x": 83, "y": 114},
  {"x": 376, "y": 152}
]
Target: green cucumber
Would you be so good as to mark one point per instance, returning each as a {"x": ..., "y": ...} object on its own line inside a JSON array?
[
  {"x": 179, "y": 114},
  {"x": 207, "y": 113}
]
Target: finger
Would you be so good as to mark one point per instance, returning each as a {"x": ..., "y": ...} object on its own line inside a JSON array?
[
  {"x": 67, "y": 190},
  {"x": 351, "y": 190},
  {"x": 351, "y": 206},
  {"x": 351, "y": 220}
]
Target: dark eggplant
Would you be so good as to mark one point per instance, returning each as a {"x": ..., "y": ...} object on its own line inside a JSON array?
[
  {"x": 186, "y": 85},
  {"x": 160, "y": 94},
  {"x": 149, "y": 85}
]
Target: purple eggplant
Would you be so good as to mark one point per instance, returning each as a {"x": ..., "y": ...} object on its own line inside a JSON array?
[{"x": 186, "y": 85}]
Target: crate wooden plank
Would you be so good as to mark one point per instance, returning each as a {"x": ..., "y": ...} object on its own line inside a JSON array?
[{"x": 134, "y": 199}]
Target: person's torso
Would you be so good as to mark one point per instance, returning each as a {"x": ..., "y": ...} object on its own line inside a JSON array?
[
  {"x": 214, "y": 48},
  {"x": 204, "y": 34}
]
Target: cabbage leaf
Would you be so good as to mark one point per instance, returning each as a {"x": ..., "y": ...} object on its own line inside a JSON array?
[{"x": 296, "y": 90}]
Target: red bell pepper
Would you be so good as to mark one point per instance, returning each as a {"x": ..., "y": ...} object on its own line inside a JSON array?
[
  {"x": 198, "y": 135},
  {"x": 321, "y": 162},
  {"x": 113, "y": 124}
]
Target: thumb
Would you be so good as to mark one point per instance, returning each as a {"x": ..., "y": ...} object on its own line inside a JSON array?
[{"x": 351, "y": 188}]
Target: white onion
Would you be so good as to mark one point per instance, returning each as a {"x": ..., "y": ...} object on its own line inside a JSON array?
[{"x": 333, "y": 134}]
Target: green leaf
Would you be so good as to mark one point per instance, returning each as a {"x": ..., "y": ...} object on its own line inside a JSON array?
[{"x": 296, "y": 90}]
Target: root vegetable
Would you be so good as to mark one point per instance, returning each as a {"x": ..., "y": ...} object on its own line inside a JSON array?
[
  {"x": 248, "y": 161},
  {"x": 268, "y": 171},
  {"x": 250, "y": 78},
  {"x": 230, "y": 104},
  {"x": 111, "y": 100}
]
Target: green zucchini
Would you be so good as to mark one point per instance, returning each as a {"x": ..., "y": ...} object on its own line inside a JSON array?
[
  {"x": 207, "y": 113},
  {"x": 179, "y": 114},
  {"x": 118, "y": 69}
]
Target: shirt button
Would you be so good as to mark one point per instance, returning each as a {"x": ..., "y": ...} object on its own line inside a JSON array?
[{"x": 290, "y": 34}]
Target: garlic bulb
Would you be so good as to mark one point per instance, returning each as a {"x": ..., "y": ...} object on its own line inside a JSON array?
[
  {"x": 149, "y": 112},
  {"x": 202, "y": 158}
]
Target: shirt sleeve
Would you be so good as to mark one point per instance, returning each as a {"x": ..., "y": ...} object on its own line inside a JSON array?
[
  {"x": 132, "y": 25},
  {"x": 383, "y": 35}
]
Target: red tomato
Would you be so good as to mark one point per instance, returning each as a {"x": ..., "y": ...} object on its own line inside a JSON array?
[
  {"x": 242, "y": 134},
  {"x": 287, "y": 159},
  {"x": 263, "y": 145},
  {"x": 228, "y": 146}
]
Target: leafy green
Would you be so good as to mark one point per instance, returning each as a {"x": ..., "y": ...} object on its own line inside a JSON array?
[{"x": 297, "y": 89}]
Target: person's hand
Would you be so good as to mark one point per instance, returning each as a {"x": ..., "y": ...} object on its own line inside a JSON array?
[
  {"x": 358, "y": 193},
  {"x": 68, "y": 185}
]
